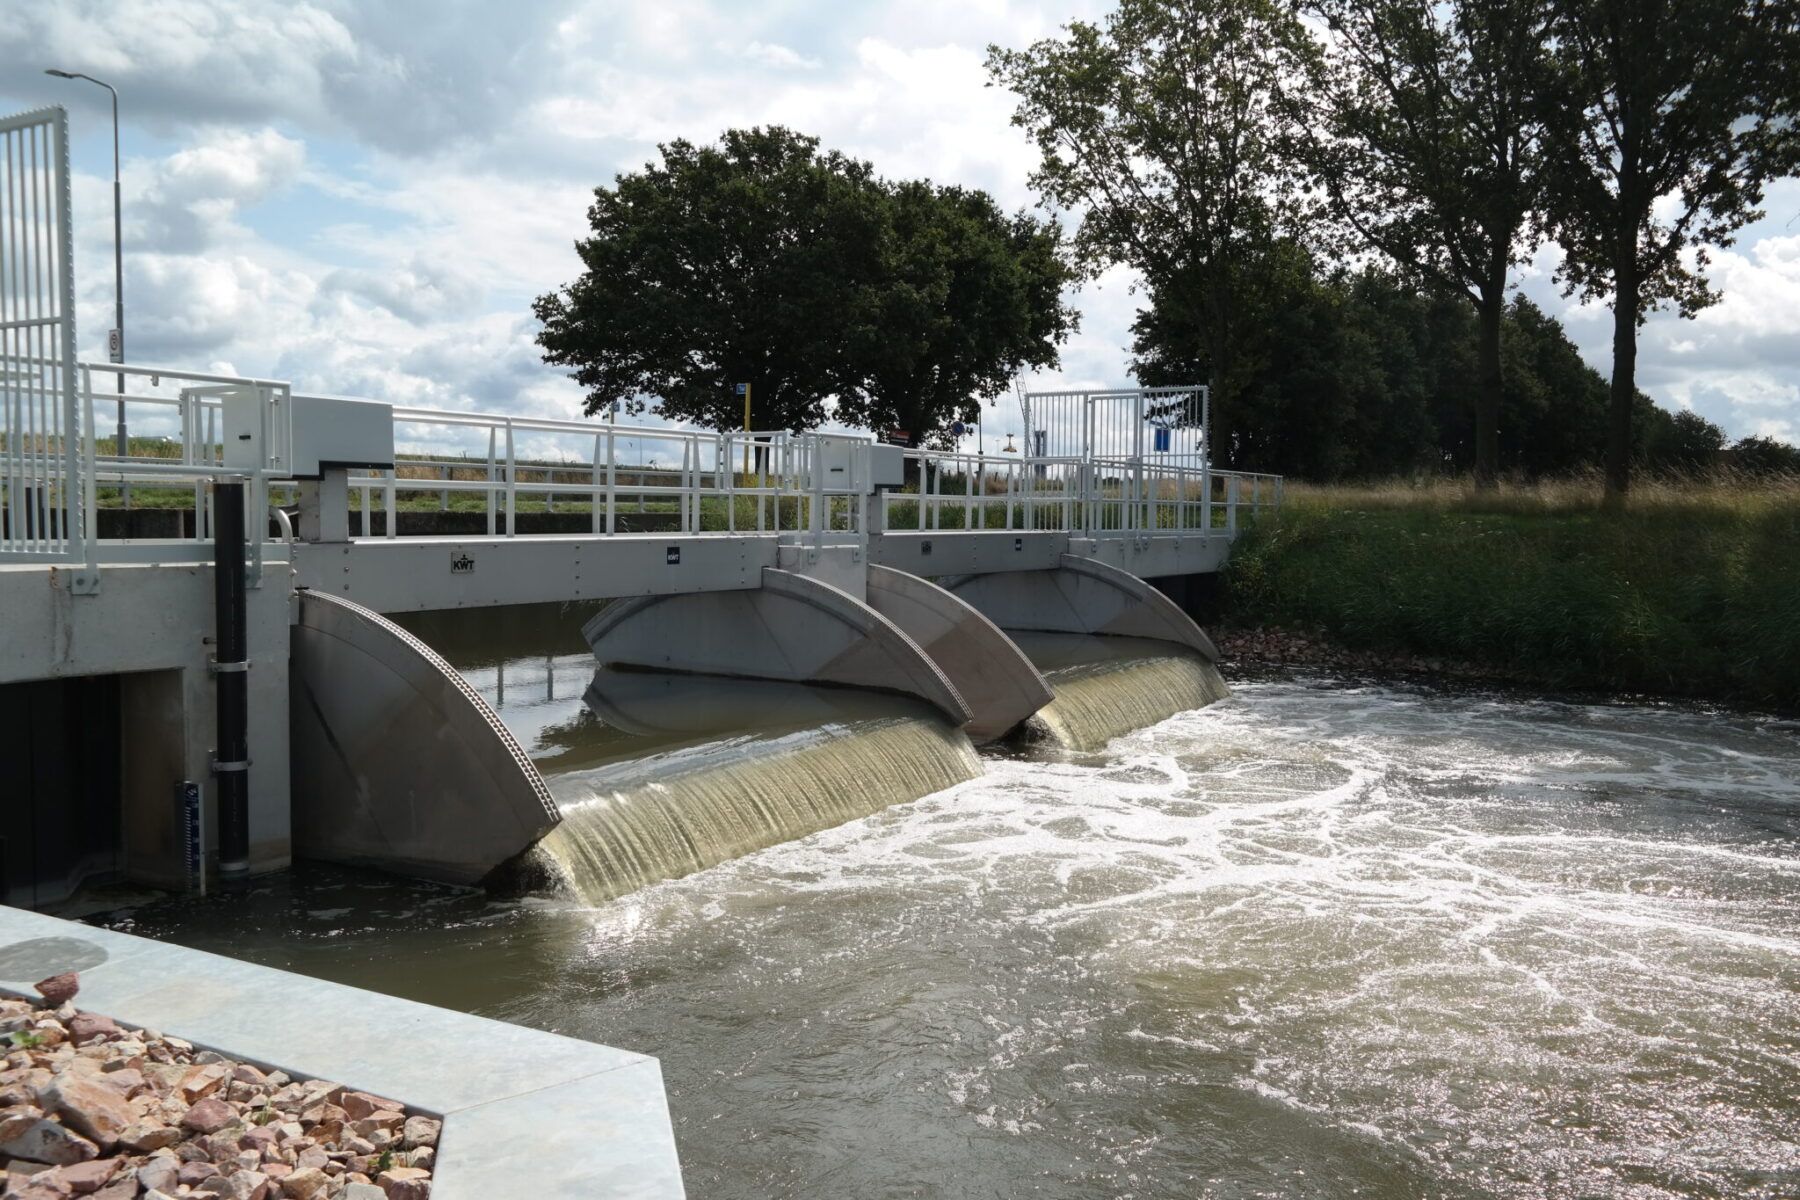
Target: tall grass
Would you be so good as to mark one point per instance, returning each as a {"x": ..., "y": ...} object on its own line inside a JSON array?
[{"x": 1693, "y": 589}]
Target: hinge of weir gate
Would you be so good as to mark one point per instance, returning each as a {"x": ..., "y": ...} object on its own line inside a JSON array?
[{"x": 226, "y": 668}]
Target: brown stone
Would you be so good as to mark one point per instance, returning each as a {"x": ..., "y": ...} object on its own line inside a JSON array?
[
  {"x": 383, "y": 1120},
  {"x": 259, "y": 1138},
  {"x": 360, "y": 1105},
  {"x": 323, "y": 1114},
  {"x": 59, "y": 989},
  {"x": 195, "y": 1173},
  {"x": 89, "y": 1107},
  {"x": 127, "y": 1082},
  {"x": 161, "y": 1173},
  {"x": 87, "y": 1177},
  {"x": 47, "y": 1142},
  {"x": 87, "y": 1026},
  {"x": 141, "y": 1136},
  {"x": 208, "y": 1116},
  {"x": 421, "y": 1131},
  {"x": 304, "y": 1184},
  {"x": 125, "y": 1189},
  {"x": 200, "y": 1082},
  {"x": 405, "y": 1183}
]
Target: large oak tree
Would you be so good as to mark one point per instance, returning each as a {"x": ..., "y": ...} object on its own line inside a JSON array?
[{"x": 764, "y": 260}]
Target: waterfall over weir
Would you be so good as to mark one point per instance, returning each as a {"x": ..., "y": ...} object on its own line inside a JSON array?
[
  {"x": 1108, "y": 686},
  {"x": 631, "y": 824},
  {"x": 661, "y": 775}
]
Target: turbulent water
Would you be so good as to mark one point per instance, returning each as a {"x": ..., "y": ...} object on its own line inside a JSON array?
[
  {"x": 1313, "y": 940},
  {"x": 1109, "y": 686}
]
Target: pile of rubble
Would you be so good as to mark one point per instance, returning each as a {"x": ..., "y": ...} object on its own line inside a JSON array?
[{"x": 88, "y": 1108}]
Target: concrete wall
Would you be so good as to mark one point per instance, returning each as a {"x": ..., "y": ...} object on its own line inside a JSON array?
[
  {"x": 792, "y": 628},
  {"x": 994, "y": 677},
  {"x": 157, "y": 619}
]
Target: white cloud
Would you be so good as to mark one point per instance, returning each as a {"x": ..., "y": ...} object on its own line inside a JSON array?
[
  {"x": 776, "y": 55},
  {"x": 194, "y": 195},
  {"x": 364, "y": 199}
]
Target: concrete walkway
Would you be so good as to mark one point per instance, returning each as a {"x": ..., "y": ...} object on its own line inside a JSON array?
[{"x": 527, "y": 1115}]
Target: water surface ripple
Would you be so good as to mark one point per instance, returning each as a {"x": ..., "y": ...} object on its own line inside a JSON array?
[{"x": 1312, "y": 941}]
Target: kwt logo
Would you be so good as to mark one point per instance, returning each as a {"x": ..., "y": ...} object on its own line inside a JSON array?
[{"x": 461, "y": 564}]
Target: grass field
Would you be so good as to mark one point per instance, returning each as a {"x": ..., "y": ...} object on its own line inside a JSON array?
[{"x": 1692, "y": 590}]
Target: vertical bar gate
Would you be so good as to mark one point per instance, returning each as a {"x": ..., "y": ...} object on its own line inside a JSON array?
[{"x": 41, "y": 489}]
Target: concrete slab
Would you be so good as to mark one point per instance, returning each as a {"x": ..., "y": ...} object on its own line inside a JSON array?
[{"x": 526, "y": 1114}]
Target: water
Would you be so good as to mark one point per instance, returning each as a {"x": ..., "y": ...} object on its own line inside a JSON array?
[
  {"x": 1313, "y": 940},
  {"x": 1109, "y": 686}
]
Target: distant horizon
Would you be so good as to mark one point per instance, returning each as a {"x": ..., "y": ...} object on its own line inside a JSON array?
[{"x": 365, "y": 204}]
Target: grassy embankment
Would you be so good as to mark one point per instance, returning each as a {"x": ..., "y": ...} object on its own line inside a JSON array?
[{"x": 1693, "y": 590}]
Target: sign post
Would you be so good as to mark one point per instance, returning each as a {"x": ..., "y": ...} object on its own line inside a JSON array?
[{"x": 743, "y": 389}]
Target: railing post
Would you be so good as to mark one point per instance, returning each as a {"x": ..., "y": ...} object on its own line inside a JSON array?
[
  {"x": 512, "y": 483},
  {"x": 612, "y": 477},
  {"x": 1231, "y": 504},
  {"x": 492, "y": 494}
]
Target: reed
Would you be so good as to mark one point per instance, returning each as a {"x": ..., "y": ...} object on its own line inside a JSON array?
[{"x": 1692, "y": 589}]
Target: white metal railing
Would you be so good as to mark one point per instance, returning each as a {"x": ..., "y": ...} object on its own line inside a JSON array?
[
  {"x": 1097, "y": 497},
  {"x": 608, "y": 479},
  {"x": 707, "y": 481},
  {"x": 40, "y": 425}
]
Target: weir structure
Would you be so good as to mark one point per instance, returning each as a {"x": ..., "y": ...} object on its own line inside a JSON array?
[
  {"x": 337, "y": 735},
  {"x": 208, "y": 685}
]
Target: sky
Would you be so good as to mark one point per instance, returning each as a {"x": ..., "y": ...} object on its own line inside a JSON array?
[{"x": 363, "y": 199}]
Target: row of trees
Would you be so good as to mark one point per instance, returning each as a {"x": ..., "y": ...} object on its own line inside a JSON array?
[
  {"x": 765, "y": 261},
  {"x": 1225, "y": 149},
  {"x": 1364, "y": 375},
  {"x": 1214, "y": 144}
]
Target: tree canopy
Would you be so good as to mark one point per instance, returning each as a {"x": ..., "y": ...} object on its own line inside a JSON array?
[
  {"x": 1198, "y": 141},
  {"x": 1164, "y": 127},
  {"x": 969, "y": 296},
  {"x": 1689, "y": 104},
  {"x": 764, "y": 260},
  {"x": 1424, "y": 128}
]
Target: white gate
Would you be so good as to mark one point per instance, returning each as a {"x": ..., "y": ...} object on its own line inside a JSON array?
[
  {"x": 1166, "y": 425},
  {"x": 1137, "y": 459},
  {"x": 41, "y": 491}
]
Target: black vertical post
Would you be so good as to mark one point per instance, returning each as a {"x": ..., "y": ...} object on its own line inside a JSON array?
[{"x": 230, "y": 674}]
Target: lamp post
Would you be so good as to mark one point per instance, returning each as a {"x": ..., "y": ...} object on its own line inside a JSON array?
[{"x": 116, "y": 344}]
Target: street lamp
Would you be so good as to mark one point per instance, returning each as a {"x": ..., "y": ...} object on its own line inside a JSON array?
[{"x": 116, "y": 343}]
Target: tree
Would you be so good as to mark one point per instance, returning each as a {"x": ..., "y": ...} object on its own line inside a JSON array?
[
  {"x": 968, "y": 297},
  {"x": 749, "y": 262},
  {"x": 1424, "y": 133},
  {"x": 1666, "y": 120},
  {"x": 1765, "y": 458},
  {"x": 1164, "y": 128}
]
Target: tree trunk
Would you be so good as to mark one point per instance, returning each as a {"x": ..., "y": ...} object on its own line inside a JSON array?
[
  {"x": 1487, "y": 393},
  {"x": 1624, "y": 376}
]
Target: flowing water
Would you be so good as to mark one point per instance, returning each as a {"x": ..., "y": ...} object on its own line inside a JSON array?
[
  {"x": 1109, "y": 686},
  {"x": 1315, "y": 940}
]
